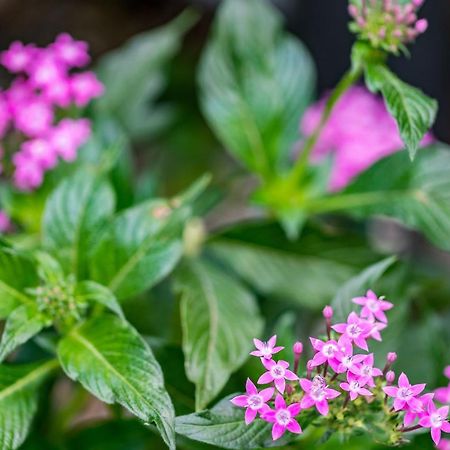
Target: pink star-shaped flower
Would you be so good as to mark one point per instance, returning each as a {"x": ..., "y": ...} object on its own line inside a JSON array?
[
  {"x": 355, "y": 387},
  {"x": 417, "y": 411},
  {"x": 317, "y": 394},
  {"x": 436, "y": 419},
  {"x": 266, "y": 349},
  {"x": 345, "y": 357},
  {"x": 443, "y": 394},
  {"x": 356, "y": 330},
  {"x": 282, "y": 418},
  {"x": 277, "y": 372},
  {"x": 405, "y": 394},
  {"x": 254, "y": 401},
  {"x": 366, "y": 372},
  {"x": 326, "y": 352},
  {"x": 373, "y": 307}
]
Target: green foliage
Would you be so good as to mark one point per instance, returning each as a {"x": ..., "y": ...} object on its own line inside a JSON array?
[
  {"x": 255, "y": 83},
  {"x": 110, "y": 359},
  {"x": 19, "y": 399},
  {"x": 413, "y": 111},
  {"x": 219, "y": 318}
]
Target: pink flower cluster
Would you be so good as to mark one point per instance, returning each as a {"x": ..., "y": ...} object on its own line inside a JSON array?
[
  {"x": 387, "y": 24},
  {"x": 45, "y": 86},
  {"x": 359, "y": 132},
  {"x": 339, "y": 369}
]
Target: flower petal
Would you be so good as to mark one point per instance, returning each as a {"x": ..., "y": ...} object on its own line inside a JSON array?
[
  {"x": 294, "y": 427},
  {"x": 250, "y": 387},
  {"x": 391, "y": 391},
  {"x": 322, "y": 407},
  {"x": 399, "y": 404},
  {"x": 436, "y": 435},
  {"x": 305, "y": 384},
  {"x": 277, "y": 431},
  {"x": 267, "y": 394},
  {"x": 240, "y": 400},
  {"x": 250, "y": 415},
  {"x": 417, "y": 388},
  {"x": 280, "y": 384},
  {"x": 306, "y": 402},
  {"x": 403, "y": 380},
  {"x": 258, "y": 344},
  {"x": 331, "y": 393},
  {"x": 265, "y": 378},
  {"x": 294, "y": 409},
  {"x": 290, "y": 375},
  {"x": 272, "y": 341}
]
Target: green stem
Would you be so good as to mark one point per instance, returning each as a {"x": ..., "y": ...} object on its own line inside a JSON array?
[{"x": 348, "y": 80}]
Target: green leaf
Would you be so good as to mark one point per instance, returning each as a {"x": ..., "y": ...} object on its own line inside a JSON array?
[
  {"x": 17, "y": 273},
  {"x": 109, "y": 358},
  {"x": 293, "y": 271},
  {"x": 134, "y": 78},
  {"x": 139, "y": 248},
  {"x": 92, "y": 292},
  {"x": 255, "y": 83},
  {"x": 19, "y": 400},
  {"x": 23, "y": 323},
  {"x": 418, "y": 194},
  {"x": 73, "y": 216},
  {"x": 357, "y": 286},
  {"x": 223, "y": 426},
  {"x": 413, "y": 111},
  {"x": 219, "y": 319}
]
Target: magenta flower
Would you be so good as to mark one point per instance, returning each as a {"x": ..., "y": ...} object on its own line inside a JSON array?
[
  {"x": 405, "y": 394},
  {"x": 71, "y": 52},
  {"x": 326, "y": 352},
  {"x": 444, "y": 444},
  {"x": 356, "y": 330},
  {"x": 373, "y": 307},
  {"x": 365, "y": 371},
  {"x": 18, "y": 57},
  {"x": 41, "y": 152},
  {"x": 33, "y": 118},
  {"x": 68, "y": 136},
  {"x": 277, "y": 372},
  {"x": 85, "y": 86},
  {"x": 45, "y": 70},
  {"x": 28, "y": 173},
  {"x": 418, "y": 410},
  {"x": 58, "y": 92},
  {"x": 354, "y": 386},
  {"x": 317, "y": 394},
  {"x": 375, "y": 328},
  {"x": 254, "y": 401},
  {"x": 345, "y": 357},
  {"x": 283, "y": 418},
  {"x": 436, "y": 419},
  {"x": 266, "y": 349}
]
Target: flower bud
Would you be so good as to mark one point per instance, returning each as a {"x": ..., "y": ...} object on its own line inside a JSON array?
[
  {"x": 418, "y": 3},
  {"x": 390, "y": 376},
  {"x": 391, "y": 357},
  {"x": 327, "y": 312},
  {"x": 353, "y": 11},
  {"x": 297, "y": 348},
  {"x": 422, "y": 25}
]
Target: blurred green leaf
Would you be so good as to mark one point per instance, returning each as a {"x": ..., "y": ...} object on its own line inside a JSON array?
[
  {"x": 74, "y": 215},
  {"x": 92, "y": 292},
  {"x": 219, "y": 319},
  {"x": 255, "y": 83},
  {"x": 19, "y": 400},
  {"x": 134, "y": 77},
  {"x": 109, "y": 358}
]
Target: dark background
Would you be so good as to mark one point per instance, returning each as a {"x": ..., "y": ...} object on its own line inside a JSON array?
[{"x": 321, "y": 24}]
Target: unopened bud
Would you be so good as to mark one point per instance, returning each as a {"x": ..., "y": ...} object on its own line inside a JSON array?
[
  {"x": 417, "y": 3},
  {"x": 422, "y": 25},
  {"x": 297, "y": 348},
  {"x": 390, "y": 376},
  {"x": 327, "y": 312},
  {"x": 391, "y": 357}
]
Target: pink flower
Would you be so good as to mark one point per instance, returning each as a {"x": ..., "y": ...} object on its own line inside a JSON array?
[
  {"x": 375, "y": 328},
  {"x": 5, "y": 222},
  {"x": 366, "y": 372},
  {"x": 373, "y": 307},
  {"x": 405, "y": 394},
  {"x": 41, "y": 151},
  {"x": 254, "y": 401},
  {"x": 283, "y": 418},
  {"x": 277, "y": 372},
  {"x": 359, "y": 132},
  {"x": 354, "y": 387},
  {"x": 317, "y": 394},
  {"x": 59, "y": 92},
  {"x": 71, "y": 52},
  {"x": 18, "y": 57},
  {"x": 326, "y": 352},
  {"x": 418, "y": 410},
  {"x": 436, "y": 419},
  {"x": 356, "y": 330},
  {"x": 4, "y": 115},
  {"x": 444, "y": 444},
  {"x": 443, "y": 394},
  {"x": 28, "y": 174},
  {"x": 33, "y": 118},
  {"x": 68, "y": 136},
  {"x": 346, "y": 358},
  {"x": 45, "y": 70},
  {"x": 85, "y": 86},
  {"x": 266, "y": 349}
]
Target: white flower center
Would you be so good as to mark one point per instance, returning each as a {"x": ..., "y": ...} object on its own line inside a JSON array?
[
  {"x": 353, "y": 330},
  {"x": 354, "y": 386},
  {"x": 255, "y": 402},
  {"x": 373, "y": 305},
  {"x": 283, "y": 417},
  {"x": 319, "y": 382},
  {"x": 329, "y": 350},
  {"x": 266, "y": 350},
  {"x": 277, "y": 371},
  {"x": 317, "y": 394},
  {"x": 347, "y": 361},
  {"x": 366, "y": 370},
  {"x": 436, "y": 420},
  {"x": 405, "y": 393}
]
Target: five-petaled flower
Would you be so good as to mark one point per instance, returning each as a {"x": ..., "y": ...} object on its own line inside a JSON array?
[
  {"x": 266, "y": 349},
  {"x": 436, "y": 419},
  {"x": 277, "y": 372},
  {"x": 355, "y": 387},
  {"x": 317, "y": 394},
  {"x": 356, "y": 330},
  {"x": 373, "y": 307},
  {"x": 405, "y": 394},
  {"x": 254, "y": 401},
  {"x": 282, "y": 418}
]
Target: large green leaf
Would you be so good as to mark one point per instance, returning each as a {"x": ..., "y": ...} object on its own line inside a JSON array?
[
  {"x": 134, "y": 77},
  {"x": 109, "y": 358},
  {"x": 255, "y": 82},
  {"x": 22, "y": 324},
  {"x": 219, "y": 319},
  {"x": 307, "y": 272},
  {"x": 413, "y": 111},
  {"x": 356, "y": 287},
  {"x": 74, "y": 213},
  {"x": 139, "y": 248},
  {"x": 17, "y": 273},
  {"x": 19, "y": 400},
  {"x": 223, "y": 426},
  {"x": 417, "y": 194}
]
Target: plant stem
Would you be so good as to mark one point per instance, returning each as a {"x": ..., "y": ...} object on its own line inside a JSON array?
[
  {"x": 348, "y": 80},
  {"x": 414, "y": 428}
]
